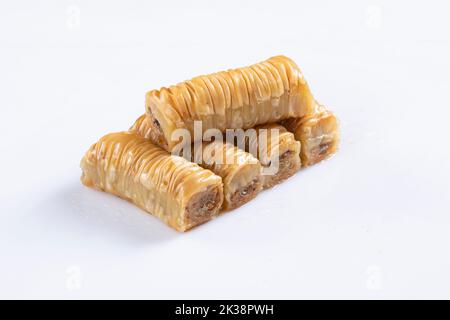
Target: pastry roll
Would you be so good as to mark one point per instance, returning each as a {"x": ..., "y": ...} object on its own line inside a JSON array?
[
  {"x": 241, "y": 98},
  {"x": 279, "y": 154},
  {"x": 179, "y": 192},
  {"x": 240, "y": 171},
  {"x": 318, "y": 134}
]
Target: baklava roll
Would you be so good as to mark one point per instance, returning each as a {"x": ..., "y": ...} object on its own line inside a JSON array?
[
  {"x": 179, "y": 192},
  {"x": 265, "y": 92},
  {"x": 318, "y": 134},
  {"x": 240, "y": 171},
  {"x": 279, "y": 154}
]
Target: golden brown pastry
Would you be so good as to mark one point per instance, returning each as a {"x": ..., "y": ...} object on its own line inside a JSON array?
[
  {"x": 240, "y": 171},
  {"x": 179, "y": 192},
  {"x": 265, "y": 92},
  {"x": 278, "y": 152},
  {"x": 318, "y": 134}
]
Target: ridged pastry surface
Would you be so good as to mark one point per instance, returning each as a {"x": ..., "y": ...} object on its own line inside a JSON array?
[
  {"x": 265, "y": 92},
  {"x": 270, "y": 145},
  {"x": 236, "y": 167},
  {"x": 318, "y": 133},
  {"x": 134, "y": 168}
]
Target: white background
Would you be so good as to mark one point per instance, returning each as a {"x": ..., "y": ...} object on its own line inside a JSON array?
[{"x": 371, "y": 222}]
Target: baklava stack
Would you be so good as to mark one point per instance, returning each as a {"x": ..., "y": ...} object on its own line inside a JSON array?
[{"x": 178, "y": 161}]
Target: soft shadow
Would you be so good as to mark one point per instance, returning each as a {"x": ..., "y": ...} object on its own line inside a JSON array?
[{"x": 77, "y": 208}]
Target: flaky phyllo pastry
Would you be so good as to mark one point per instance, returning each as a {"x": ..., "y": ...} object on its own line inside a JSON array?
[
  {"x": 283, "y": 150},
  {"x": 285, "y": 129},
  {"x": 179, "y": 192},
  {"x": 265, "y": 92},
  {"x": 240, "y": 171},
  {"x": 318, "y": 134}
]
